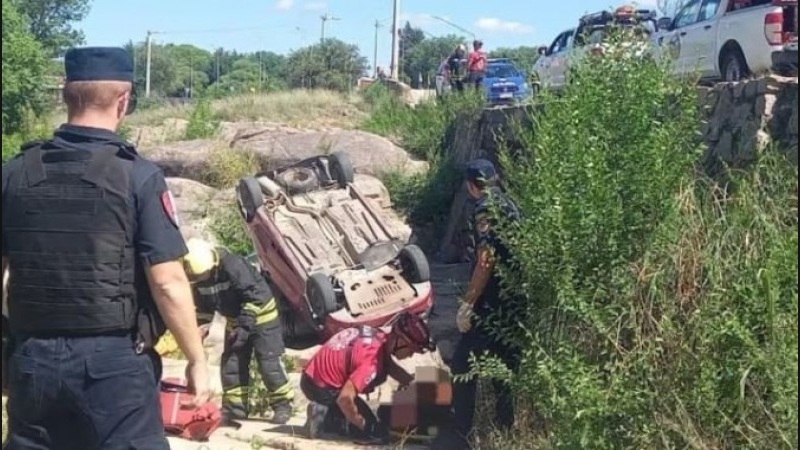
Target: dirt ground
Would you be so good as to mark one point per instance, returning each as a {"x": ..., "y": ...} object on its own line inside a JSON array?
[{"x": 448, "y": 280}]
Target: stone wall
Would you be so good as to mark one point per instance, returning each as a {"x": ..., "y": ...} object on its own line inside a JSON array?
[{"x": 739, "y": 121}]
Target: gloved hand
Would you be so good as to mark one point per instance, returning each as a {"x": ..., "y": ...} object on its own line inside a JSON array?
[
  {"x": 237, "y": 338},
  {"x": 464, "y": 317}
]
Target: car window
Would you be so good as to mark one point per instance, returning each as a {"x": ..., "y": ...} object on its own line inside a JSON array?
[
  {"x": 688, "y": 15},
  {"x": 709, "y": 10},
  {"x": 502, "y": 71},
  {"x": 561, "y": 43}
]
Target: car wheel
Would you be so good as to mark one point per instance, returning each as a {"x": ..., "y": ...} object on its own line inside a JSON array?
[
  {"x": 414, "y": 264},
  {"x": 321, "y": 296},
  {"x": 341, "y": 169},
  {"x": 734, "y": 67},
  {"x": 298, "y": 180},
  {"x": 249, "y": 197}
]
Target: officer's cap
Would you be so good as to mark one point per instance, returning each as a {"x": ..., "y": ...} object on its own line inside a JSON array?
[
  {"x": 480, "y": 171},
  {"x": 98, "y": 64}
]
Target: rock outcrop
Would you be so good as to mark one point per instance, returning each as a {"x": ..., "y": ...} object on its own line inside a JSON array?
[{"x": 274, "y": 146}]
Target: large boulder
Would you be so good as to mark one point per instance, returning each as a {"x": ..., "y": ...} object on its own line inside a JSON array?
[
  {"x": 370, "y": 154},
  {"x": 194, "y": 202}
]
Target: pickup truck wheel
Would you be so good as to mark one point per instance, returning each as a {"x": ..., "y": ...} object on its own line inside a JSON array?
[
  {"x": 341, "y": 169},
  {"x": 250, "y": 198},
  {"x": 414, "y": 264},
  {"x": 321, "y": 295},
  {"x": 734, "y": 67}
]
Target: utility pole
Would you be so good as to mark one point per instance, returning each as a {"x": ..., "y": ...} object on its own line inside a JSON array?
[
  {"x": 375, "y": 54},
  {"x": 325, "y": 18},
  {"x": 149, "y": 41},
  {"x": 396, "y": 41}
]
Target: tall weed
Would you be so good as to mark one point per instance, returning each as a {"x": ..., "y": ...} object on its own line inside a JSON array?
[
  {"x": 203, "y": 123},
  {"x": 658, "y": 309}
]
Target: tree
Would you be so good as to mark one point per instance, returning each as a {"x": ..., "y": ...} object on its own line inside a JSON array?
[
  {"x": 332, "y": 64},
  {"x": 51, "y": 21},
  {"x": 410, "y": 37},
  {"x": 24, "y": 67},
  {"x": 425, "y": 58},
  {"x": 524, "y": 57}
]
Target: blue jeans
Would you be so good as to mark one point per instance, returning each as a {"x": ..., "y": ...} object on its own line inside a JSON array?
[{"x": 86, "y": 393}]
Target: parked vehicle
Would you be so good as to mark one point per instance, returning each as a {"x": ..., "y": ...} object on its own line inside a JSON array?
[
  {"x": 327, "y": 253},
  {"x": 504, "y": 82},
  {"x": 552, "y": 67},
  {"x": 784, "y": 60},
  {"x": 724, "y": 39}
]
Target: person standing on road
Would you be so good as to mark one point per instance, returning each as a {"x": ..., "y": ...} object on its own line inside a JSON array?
[
  {"x": 356, "y": 361},
  {"x": 455, "y": 68},
  {"x": 476, "y": 64},
  {"x": 226, "y": 283},
  {"x": 92, "y": 245},
  {"x": 482, "y": 300}
]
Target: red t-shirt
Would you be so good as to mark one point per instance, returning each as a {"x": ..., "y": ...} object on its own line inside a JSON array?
[
  {"x": 328, "y": 367},
  {"x": 477, "y": 61}
]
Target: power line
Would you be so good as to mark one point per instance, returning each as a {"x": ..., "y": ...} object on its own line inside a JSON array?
[{"x": 325, "y": 18}]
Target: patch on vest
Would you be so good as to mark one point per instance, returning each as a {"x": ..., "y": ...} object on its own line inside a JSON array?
[{"x": 168, "y": 202}]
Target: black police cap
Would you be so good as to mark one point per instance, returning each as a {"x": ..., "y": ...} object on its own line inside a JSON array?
[
  {"x": 98, "y": 64},
  {"x": 480, "y": 171}
]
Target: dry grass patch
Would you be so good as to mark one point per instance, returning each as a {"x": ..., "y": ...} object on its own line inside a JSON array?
[{"x": 295, "y": 108}]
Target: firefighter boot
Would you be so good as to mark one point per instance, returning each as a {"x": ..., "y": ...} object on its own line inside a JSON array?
[{"x": 282, "y": 412}]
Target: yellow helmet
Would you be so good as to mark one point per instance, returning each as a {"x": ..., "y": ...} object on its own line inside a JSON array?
[{"x": 202, "y": 257}]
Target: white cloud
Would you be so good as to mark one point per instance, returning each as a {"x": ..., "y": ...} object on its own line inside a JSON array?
[
  {"x": 498, "y": 25},
  {"x": 315, "y": 6},
  {"x": 284, "y": 5}
]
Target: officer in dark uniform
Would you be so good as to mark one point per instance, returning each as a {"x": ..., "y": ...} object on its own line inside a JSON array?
[
  {"x": 481, "y": 301},
  {"x": 224, "y": 282},
  {"x": 88, "y": 227}
]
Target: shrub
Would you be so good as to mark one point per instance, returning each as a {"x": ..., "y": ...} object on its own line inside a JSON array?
[
  {"x": 202, "y": 121},
  {"x": 660, "y": 310},
  {"x": 225, "y": 166}
]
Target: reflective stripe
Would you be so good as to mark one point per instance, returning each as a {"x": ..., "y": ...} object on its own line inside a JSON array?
[
  {"x": 263, "y": 314},
  {"x": 283, "y": 393},
  {"x": 214, "y": 289},
  {"x": 235, "y": 395}
]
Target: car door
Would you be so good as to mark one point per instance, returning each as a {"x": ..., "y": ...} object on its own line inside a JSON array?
[
  {"x": 544, "y": 63},
  {"x": 705, "y": 31},
  {"x": 685, "y": 40},
  {"x": 560, "y": 59}
]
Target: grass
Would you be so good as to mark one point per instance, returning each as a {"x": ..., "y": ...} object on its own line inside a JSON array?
[{"x": 296, "y": 108}]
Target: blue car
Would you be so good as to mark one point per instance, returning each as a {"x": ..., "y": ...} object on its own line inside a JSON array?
[{"x": 504, "y": 82}]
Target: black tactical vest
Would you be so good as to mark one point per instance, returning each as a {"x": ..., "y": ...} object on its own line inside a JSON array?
[{"x": 70, "y": 222}]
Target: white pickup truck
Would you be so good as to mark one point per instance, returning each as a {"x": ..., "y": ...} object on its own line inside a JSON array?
[{"x": 723, "y": 39}]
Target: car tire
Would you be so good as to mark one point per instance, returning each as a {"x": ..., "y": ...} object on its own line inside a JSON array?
[
  {"x": 734, "y": 67},
  {"x": 250, "y": 197},
  {"x": 341, "y": 169},
  {"x": 414, "y": 264},
  {"x": 298, "y": 180},
  {"x": 321, "y": 296}
]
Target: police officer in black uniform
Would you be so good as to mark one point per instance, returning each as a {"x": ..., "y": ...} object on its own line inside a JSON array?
[
  {"x": 91, "y": 240},
  {"x": 483, "y": 302},
  {"x": 224, "y": 282}
]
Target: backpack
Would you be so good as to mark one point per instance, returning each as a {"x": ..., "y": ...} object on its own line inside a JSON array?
[{"x": 195, "y": 424}]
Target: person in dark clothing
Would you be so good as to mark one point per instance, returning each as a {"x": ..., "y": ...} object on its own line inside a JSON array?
[
  {"x": 92, "y": 244},
  {"x": 481, "y": 301},
  {"x": 226, "y": 283},
  {"x": 455, "y": 68}
]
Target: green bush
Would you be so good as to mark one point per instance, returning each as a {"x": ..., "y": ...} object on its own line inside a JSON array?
[
  {"x": 226, "y": 224},
  {"x": 660, "y": 310},
  {"x": 202, "y": 122}
]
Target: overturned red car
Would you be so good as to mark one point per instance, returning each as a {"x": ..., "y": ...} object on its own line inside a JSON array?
[{"x": 328, "y": 254}]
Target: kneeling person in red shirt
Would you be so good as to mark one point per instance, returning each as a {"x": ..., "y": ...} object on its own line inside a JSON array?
[{"x": 356, "y": 361}]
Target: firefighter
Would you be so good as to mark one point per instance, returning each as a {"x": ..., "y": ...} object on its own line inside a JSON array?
[
  {"x": 356, "y": 361},
  {"x": 226, "y": 283}
]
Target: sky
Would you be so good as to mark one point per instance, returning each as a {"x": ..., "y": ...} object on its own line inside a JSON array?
[{"x": 283, "y": 25}]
